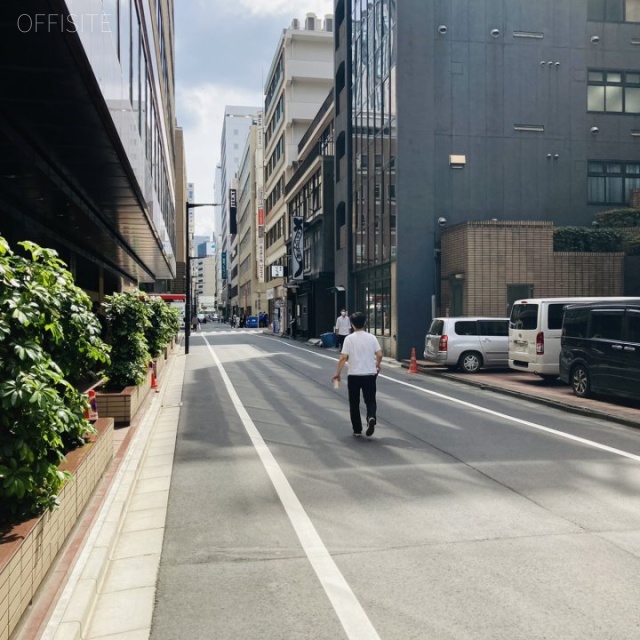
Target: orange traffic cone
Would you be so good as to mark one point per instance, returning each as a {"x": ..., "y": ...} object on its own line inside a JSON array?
[
  {"x": 413, "y": 364},
  {"x": 154, "y": 382}
]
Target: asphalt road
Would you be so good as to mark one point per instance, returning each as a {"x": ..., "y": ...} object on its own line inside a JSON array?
[{"x": 468, "y": 515}]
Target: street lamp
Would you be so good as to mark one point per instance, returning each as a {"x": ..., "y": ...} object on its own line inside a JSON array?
[{"x": 188, "y": 258}]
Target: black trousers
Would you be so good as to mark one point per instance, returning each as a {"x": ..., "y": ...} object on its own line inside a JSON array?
[{"x": 368, "y": 386}]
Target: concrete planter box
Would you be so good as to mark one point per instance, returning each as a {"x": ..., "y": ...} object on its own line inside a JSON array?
[
  {"x": 28, "y": 551},
  {"x": 122, "y": 406}
]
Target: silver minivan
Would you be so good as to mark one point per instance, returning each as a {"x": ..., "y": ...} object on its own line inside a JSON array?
[{"x": 468, "y": 344}]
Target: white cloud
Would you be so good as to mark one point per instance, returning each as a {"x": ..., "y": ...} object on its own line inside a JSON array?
[
  {"x": 223, "y": 51},
  {"x": 203, "y": 108}
]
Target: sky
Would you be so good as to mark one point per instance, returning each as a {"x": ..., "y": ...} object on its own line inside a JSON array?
[{"x": 224, "y": 50}]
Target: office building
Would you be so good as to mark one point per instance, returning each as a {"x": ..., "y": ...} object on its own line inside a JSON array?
[
  {"x": 300, "y": 76},
  {"x": 451, "y": 112},
  {"x": 313, "y": 299},
  {"x": 87, "y": 137},
  {"x": 250, "y": 219},
  {"x": 235, "y": 128}
]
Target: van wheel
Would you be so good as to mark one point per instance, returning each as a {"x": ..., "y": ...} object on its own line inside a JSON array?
[
  {"x": 581, "y": 381},
  {"x": 470, "y": 362}
]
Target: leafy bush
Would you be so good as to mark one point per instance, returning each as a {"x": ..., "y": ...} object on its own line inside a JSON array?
[
  {"x": 164, "y": 325},
  {"x": 48, "y": 337},
  {"x": 619, "y": 218},
  {"x": 587, "y": 239},
  {"x": 128, "y": 320}
]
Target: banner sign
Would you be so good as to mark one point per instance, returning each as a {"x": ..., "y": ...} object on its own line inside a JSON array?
[
  {"x": 260, "y": 258},
  {"x": 297, "y": 247},
  {"x": 233, "y": 221},
  {"x": 223, "y": 265}
]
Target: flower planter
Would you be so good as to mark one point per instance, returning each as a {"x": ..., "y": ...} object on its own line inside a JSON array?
[
  {"x": 123, "y": 405},
  {"x": 28, "y": 551}
]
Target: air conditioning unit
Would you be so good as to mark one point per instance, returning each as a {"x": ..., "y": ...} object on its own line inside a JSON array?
[{"x": 310, "y": 22}]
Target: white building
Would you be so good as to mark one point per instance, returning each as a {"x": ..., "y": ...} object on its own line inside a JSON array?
[
  {"x": 235, "y": 128},
  {"x": 250, "y": 208},
  {"x": 300, "y": 77}
]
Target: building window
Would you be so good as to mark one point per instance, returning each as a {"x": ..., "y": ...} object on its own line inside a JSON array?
[
  {"x": 614, "y": 91},
  {"x": 614, "y": 10},
  {"x": 612, "y": 182}
]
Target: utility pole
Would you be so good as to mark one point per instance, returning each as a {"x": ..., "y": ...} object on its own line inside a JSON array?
[{"x": 188, "y": 258}]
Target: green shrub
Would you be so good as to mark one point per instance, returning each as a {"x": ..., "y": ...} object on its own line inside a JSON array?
[
  {"x": 587, "y": 239},
  {"x": 619, "y": 218},
  {"x": 164, "y": 325},
  {"x": 48, "y": 337},
  {"x": 128, "y": 319}
]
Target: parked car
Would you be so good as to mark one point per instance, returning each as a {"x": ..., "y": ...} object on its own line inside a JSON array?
[
  {"x": 600, "y": 349},
  {"x": 535, "y": 328},
  {"x": 468, "y": 343},
  {"x": 251, "y": 322}
]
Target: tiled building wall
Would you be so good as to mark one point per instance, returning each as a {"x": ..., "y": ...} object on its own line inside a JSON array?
[{"x": 488, "y": 256}]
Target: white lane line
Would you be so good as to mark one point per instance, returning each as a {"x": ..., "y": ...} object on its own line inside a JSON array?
[
  {"x": 527, "y": 423},
  {"x": 352, "y": 616},
  {"x": 497, "y": 414}
]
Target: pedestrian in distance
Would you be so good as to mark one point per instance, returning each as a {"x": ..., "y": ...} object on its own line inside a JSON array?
[
  {"x": 362, "y": 353},
  {"x": 342, "y": 329}
]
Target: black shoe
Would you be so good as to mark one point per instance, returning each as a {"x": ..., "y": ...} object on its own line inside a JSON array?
[
  {"x": 357, "y": 434},
  {"x": 372, "y": 426}
]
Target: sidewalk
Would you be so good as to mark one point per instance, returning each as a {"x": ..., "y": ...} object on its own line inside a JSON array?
[{"x": 103, "y": 585}]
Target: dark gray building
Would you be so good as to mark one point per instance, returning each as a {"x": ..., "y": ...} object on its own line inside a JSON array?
[{"x": 449, "y": 111}]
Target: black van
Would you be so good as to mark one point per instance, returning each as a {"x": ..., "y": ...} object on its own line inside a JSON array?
[{"x": 600, "y": 348}]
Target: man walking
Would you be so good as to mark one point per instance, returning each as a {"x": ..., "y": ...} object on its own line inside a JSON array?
[
  {"x": 343, "y": 328},
  {"x": 361, "y": 350}
]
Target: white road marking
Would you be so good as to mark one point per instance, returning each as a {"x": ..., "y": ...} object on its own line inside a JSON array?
[
  {"x": 352, "y": 616},
  {"x": 497, "y": 414}
]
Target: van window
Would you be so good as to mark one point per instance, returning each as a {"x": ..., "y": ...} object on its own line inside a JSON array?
[
  {"x": 606, "y": 325},
  {"x": 554, "y": 319},
  {"x": 575, "y": 323},
  {"x": 466, "y": 328},
  {"x": 633, "y": 325},
  {"x": 436, "y": 328},
  {"x": 493, "y": 327},
  {"x": 524, "y": 316}
]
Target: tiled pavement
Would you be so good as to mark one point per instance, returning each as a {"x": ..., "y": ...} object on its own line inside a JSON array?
[{"x": 104, "y": 585}]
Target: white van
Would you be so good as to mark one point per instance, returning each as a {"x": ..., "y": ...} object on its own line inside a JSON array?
[{"x": 535, "y": 327}]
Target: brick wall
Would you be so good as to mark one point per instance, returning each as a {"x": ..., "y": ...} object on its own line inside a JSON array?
[{"x": 488, "y": 256}]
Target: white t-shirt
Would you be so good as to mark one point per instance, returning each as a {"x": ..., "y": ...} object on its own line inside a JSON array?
[
  {"x": 343, "y": 325},
  {"x": 361, "y": 348}
]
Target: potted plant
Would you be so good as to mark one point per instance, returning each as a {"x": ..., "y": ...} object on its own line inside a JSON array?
[
  {"x": 127, "y": 377},
  {"x": 49, "y": 342},
  {"x": 49, "y": 345}
]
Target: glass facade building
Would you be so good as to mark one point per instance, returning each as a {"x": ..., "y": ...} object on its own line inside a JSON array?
[
  {"x": 88, "y": 136},
  {"x": 373, "y": 220}
]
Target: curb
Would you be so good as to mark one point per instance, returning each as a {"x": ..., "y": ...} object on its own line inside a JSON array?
[{"x": 72, "y": 613}]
